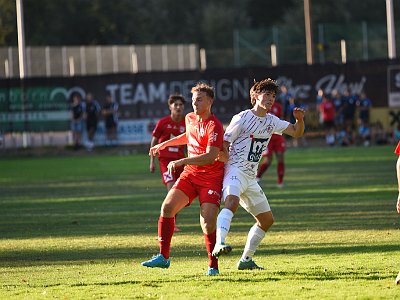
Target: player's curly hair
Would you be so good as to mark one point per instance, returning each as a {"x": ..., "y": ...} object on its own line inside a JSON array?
[
  {"x": 175, "y": 97},
  {"x": 204, "y": 87},
  {"x": 262, "y": 86}
]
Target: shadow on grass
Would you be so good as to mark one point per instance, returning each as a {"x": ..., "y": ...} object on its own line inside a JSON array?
[{"x": 19, "y": 258}]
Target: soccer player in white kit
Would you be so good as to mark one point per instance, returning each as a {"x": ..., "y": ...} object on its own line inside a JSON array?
[{"x": 246, "y": 138}]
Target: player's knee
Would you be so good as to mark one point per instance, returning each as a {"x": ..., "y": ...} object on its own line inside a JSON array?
[
  {"x": 208, "y": 227},
  {"x": 168, "y": 210},
  {"x": 232, "y": 203},
  {"x": 266, "y": 222}
]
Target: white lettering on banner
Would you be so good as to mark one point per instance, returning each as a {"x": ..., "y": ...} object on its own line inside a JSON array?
[
  {"x": 140, "y": 94},
  {"x": 112, "y": 89},
  {"x": 35, "y": 116},
  {"x": 129, "y": 132},
  {"x": 393, "y": 86},
  {"x": 126, "y": 93},
  {"x": 159, "y": 93},
  {"x": 66, "y": 93},
  {"x": 397, "y": 80},
  {"x": 328, "y": 83},
  {"x": 224, "y": 90},
  {"x": 129, "y": 94},
  {"x": 332, "y": 82},
  {"x": 242, "y": 89}
]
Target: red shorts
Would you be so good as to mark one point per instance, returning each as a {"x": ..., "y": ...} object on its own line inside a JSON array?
[
  {"x": 166, "y": 176},
  {"x": 276, "y": 144},
  {"x": 194, "y": 185}
]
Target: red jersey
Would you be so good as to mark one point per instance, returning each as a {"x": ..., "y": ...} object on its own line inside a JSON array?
[
  {"x": 397, "y": 150},
  {"x": 328, "y": 111},
  {"x": 200, "y": 135},
  {"x": 166, "y": 129},
  {"x": 276, "y": 109}
]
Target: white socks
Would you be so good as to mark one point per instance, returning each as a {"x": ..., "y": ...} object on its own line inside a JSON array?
[
  {"x": 254, "y": 238},
  {"x": 223, "y": 224}
]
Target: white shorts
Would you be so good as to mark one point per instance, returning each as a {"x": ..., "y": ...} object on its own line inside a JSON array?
[{"x": 251, "y": 195}]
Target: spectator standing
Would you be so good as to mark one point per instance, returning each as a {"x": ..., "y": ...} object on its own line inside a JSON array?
[
  {"x": 364, "y": 106},
  {"x": 327, "y": 110},
  {"x": 93, "y": 110},
  {"x": 337, "y": 102},
  {"x": 77, "y": 119},
  {"x": 284, "y": 98},
  {"x": 110, "y": 114},
  {"x": 349, "y": 108}
]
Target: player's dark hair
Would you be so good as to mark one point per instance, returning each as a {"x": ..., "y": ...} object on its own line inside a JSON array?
[
  {"x": 204, "y": 87},
  {"x": 176, "y": 97},
  {"x": 263, "y": 86}
]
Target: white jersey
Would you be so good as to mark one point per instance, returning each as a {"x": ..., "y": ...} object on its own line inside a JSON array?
[{"x": 249, "y": 136}]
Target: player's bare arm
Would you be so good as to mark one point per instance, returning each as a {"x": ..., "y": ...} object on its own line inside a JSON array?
[
  {"x": 296, "y": 130},
  {"x": 152, "y": 166},
  {"x": 176, "y": 141},
  {"x": 223, "y": 155},
  {"x": 200, "y": 160}
]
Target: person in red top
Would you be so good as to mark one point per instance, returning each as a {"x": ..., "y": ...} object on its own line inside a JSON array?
[
  {"x": 327, "y": 110},
  {"x": 277, "y": 145},
  {"x": 202, "y": 177},
  {"x": 397, "y": 151},
  {"x": 167, "y": 128}
]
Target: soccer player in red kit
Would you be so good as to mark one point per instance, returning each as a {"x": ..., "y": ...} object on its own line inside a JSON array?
[
  {"x": 397, "y": 151},
  {"x": 167, "y": 128},
  {"x": 277, "y": 144},
  {"x": 202, "y": 177}
]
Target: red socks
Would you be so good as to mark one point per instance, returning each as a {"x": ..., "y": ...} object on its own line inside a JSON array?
[
  {"x": 263, "y": 167},
  {"x": 210, "y": 240},
  {"x": 281, "y": 171},
  {"x": 165, "y": 232}
]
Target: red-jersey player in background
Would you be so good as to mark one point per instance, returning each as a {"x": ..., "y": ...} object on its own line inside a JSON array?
[
  {"x": 201, "y": 177},
  {"x": 277, "y": 145},
  {"x": 168, "y": 128}
]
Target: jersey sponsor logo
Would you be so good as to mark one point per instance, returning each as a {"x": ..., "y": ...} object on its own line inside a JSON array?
[
  {"x": 257, "y": 148},
  {"x": 212, "y": 192}
]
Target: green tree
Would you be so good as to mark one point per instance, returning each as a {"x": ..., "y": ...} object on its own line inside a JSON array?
[{"x": 8, "y": 23}]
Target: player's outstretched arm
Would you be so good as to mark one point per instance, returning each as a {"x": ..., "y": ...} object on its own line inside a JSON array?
[
  {"x": 296, "y": 130},
  {"x": 176, "y": 141}
]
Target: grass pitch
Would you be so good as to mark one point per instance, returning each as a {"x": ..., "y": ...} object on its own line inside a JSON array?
[{"x": 78, "y": 228}]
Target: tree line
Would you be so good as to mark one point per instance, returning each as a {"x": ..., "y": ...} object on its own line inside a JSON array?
[{"x": 208, "y": 23}]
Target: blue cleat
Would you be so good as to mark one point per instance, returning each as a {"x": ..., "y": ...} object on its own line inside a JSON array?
[
  {"x": 212, "y": 272},
  {"x": 248, "y": 265},
  {"x": 221, "y": 249},
  {"x": 157, "y": 261}
]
